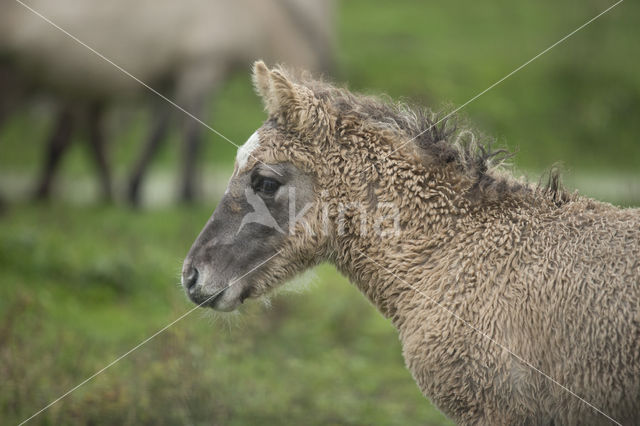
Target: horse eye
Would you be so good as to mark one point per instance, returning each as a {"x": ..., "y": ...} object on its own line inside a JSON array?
[{"x": 266, "y": 186}]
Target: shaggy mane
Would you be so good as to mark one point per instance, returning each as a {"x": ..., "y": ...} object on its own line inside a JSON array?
[{"x": 443, "y": 140}]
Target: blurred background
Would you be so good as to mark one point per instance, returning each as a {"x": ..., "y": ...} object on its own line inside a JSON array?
[{"x": 105, "y": 185}]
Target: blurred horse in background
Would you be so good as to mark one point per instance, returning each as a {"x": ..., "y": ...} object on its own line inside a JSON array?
[{"x": 186, "y": 49}]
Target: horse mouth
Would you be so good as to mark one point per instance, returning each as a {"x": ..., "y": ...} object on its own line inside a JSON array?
[
  {"x": 204, "y": 301},
  {"x": 223, "y": 299},
  {"x": 211, "y": 302}
]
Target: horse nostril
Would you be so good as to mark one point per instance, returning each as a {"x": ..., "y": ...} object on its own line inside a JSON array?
[{"x": 191, "y": 279}]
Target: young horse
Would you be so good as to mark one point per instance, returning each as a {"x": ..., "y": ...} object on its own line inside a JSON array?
[{"x": 514, "y": 304}]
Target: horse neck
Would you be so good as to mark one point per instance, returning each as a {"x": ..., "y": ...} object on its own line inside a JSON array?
[
  {"x": 387, "y": 274},
  {"x": 389, "y": 269}
]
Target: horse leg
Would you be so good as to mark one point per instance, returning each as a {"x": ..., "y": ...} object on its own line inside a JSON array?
[
  {"x": 4, "y": 112},
  {"x": 97, "y": 147},
  {"x": 58, "y": 143},
  {"x": 194, "y": 86},
  {"x": 11, "y": 89},
  {"x": 160, "y": 120},
  {"x": 192, "y": 142}
]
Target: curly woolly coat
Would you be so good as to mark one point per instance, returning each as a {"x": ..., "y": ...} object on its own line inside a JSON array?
[{"x": 515, "y": 304}]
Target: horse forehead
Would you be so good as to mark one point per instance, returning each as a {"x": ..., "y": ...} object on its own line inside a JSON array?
[{"x": 247, "y": 149}]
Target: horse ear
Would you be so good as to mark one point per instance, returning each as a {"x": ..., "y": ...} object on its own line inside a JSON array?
[
  {"x": 286, "y": 94},
  {"x": 277, "y": 92},
  {"x": 262, "y": 83},
  {"x": 295, "y": 104}
]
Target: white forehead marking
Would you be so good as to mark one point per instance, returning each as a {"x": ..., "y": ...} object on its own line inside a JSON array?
[{"x": 245, "y": 151}]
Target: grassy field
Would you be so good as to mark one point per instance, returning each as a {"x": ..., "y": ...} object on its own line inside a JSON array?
[
  {"x": 99, "y": 280},
  {"x": 80, "y": 285}
]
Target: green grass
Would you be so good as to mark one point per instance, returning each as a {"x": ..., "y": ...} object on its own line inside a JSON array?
[
  {"x": 80, "y": 286},
  {"x": 99, "y": 280}
]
